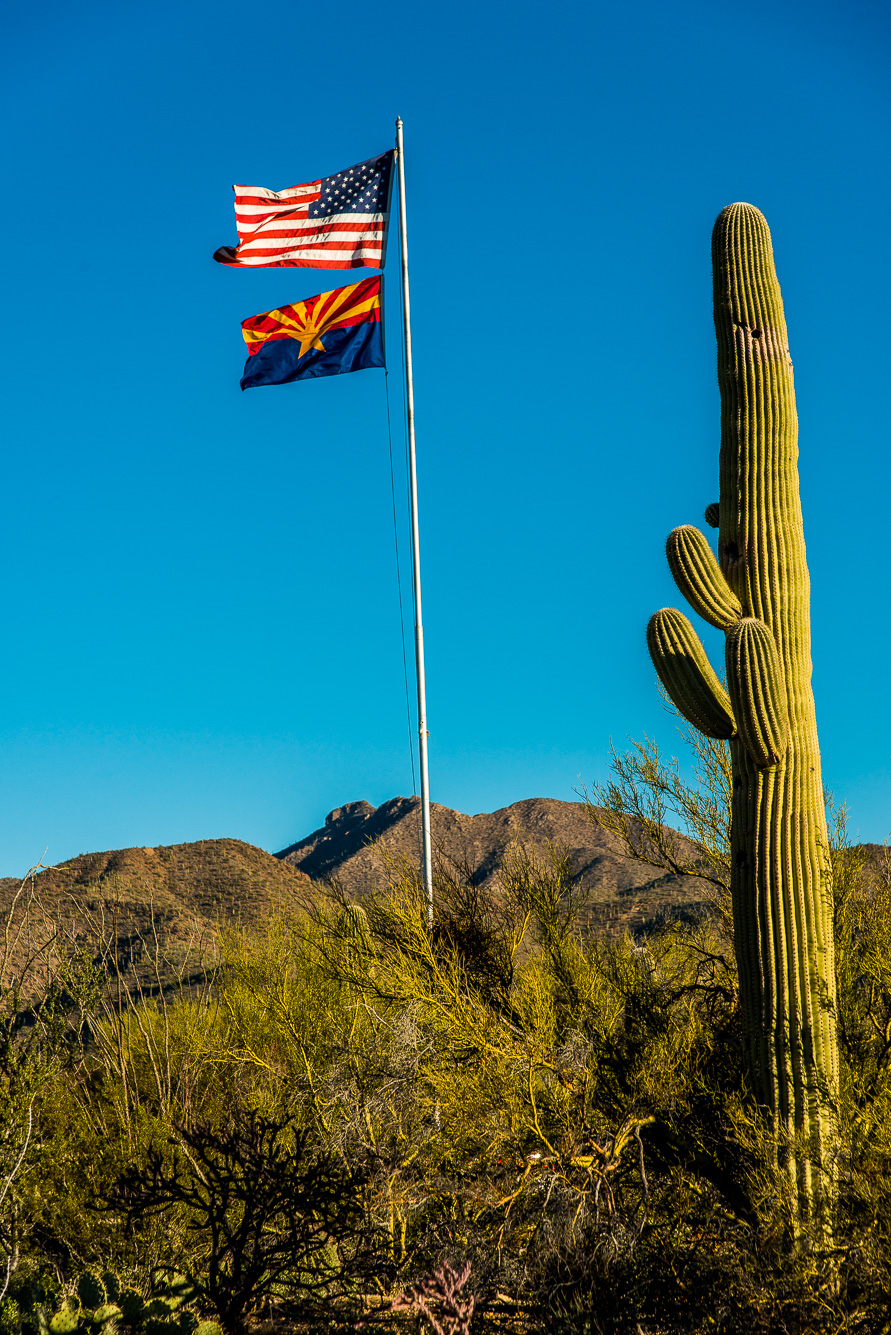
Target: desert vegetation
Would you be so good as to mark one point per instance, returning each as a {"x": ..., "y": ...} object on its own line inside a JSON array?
[
  {"x": 504, "y": 1124},
  {"x": 335, "y": 1115}
]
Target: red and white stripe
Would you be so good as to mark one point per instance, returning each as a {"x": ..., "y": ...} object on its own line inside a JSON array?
[{"x": 274, "y": 229}]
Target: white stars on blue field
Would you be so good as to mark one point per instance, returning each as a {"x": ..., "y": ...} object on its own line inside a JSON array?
[{"x": 360, "y": 189}]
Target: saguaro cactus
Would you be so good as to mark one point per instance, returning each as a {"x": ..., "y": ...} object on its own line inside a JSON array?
[{"x": 759, "y": 596}]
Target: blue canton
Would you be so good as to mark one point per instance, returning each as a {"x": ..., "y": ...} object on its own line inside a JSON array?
[{"x": 364, "y": 188}]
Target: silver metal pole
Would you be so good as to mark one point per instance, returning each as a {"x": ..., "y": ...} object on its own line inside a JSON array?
[{"x": 427, "y": 868}]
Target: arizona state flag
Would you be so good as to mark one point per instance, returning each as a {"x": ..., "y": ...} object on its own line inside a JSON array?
[{"x": 325, "y": 335}]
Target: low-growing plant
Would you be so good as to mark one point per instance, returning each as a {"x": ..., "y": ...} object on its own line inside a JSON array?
[
  {"x": 439, "y": 1301},
  {"x": 103, "y": 1305}
]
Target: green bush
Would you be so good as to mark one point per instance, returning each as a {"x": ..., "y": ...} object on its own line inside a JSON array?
[{"x": 569, "y": 1115}]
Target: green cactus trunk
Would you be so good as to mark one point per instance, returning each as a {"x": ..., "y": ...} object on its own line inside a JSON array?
[{"x": 760, "y": 596}]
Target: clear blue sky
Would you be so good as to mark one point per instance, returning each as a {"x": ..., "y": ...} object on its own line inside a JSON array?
[{"x": 199, "y": 613}]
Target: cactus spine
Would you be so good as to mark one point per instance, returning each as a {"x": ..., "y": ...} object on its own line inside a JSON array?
[{"x": 760, "y": 596}]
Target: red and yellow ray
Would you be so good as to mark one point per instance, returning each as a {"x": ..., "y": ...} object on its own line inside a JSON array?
[{"x": 308, "y": 320}]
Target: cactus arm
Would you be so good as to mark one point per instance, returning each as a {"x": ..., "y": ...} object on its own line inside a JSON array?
[
  {"x": 755, "y": 682},
  {"x": 687, "y": 675},
  {"x": 699, "y": 578}
]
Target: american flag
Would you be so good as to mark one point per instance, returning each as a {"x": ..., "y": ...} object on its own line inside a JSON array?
[{"x": 339, "y": 222}]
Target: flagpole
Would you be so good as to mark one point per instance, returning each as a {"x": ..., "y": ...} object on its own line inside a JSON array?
[{"x": 427, "y": 867}]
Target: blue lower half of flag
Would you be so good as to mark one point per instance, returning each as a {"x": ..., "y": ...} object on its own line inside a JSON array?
[{"x": 278, "y": 360}]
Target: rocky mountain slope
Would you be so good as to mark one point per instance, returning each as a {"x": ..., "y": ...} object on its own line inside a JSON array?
[
  {"x": 159, "y": 910},
  {"x": 357, "y": 840},
  {"x": 154, "y": 912}
]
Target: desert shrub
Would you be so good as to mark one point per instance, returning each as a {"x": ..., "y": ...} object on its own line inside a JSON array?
[
  {"x": 568, "y": 1115},
  {"x": 266, "y": 1207},
  {"x": 146, "y": 1064},
  {"x": 510, "y": 1092},
  {"x": 47, "y": 997}
]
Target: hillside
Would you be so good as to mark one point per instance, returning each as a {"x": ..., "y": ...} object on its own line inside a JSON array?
[
  {"x": 177, "y": 895},
  {"x": 356, "y": 840},
  {"x": 158, "y": 910}
]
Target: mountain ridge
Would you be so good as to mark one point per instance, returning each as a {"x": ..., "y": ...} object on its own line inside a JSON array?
[
  {"x": 177, "y": 897},
  {"x": 358, "y": 839}
]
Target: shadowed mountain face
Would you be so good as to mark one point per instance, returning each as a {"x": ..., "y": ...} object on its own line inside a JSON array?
[{"x": 356, "y": 839}]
